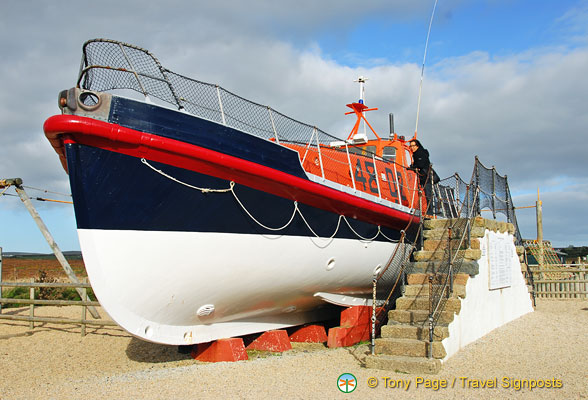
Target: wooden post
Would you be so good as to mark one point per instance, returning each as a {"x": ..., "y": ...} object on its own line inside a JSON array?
[
  {"x": 32, "y": 306},
  {"x": 494, "y": 192},
  {"x": 60, "y": 257},
  {"x": 539, "y": 230},
  {"x": 84, "y": 308},
  {"x": 583, "y": 277},
  {"x": 583, "y": 293}
]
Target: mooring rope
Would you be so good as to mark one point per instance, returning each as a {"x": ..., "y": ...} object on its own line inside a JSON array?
[{"x": 47, "y": 191}]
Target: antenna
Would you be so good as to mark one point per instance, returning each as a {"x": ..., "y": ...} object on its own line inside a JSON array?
[
  {"x": 391, "y": 119},
  {"x": 358, "y": 109},
  {"x": 423, "y": 70},
  {"x": 361, "y": 100},
  {"x": 361, "y": 81}
]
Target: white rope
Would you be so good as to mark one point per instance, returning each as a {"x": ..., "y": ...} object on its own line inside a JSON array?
[
  {"x": 259, "y": 223},
  {"x": 359, "y": 236},
  {"x": 387, "y": 238},
  {"x": 416, "y": 128},
  {"x": 203, "y": 190},
  {"x": 314, "y": 233},
  {"x": 296, "y": 210}
]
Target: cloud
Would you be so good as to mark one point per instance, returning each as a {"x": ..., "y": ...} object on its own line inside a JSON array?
[
  {"x": 563, "y": 216},
  {"x": 573, "y": 24},
  {"x": 524, "y": 113}
]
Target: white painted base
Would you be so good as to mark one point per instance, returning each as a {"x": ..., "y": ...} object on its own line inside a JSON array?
[
  {"x": 190, "y": 287},
  {"x": 484, "y": 310}
]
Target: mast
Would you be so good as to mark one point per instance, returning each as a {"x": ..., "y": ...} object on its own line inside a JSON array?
[
  {"x": 361, "y": 81},
  {"x": 359, "y": 108}
]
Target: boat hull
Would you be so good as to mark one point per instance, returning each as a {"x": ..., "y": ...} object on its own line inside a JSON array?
[
  {"x": 186, "y": 243},
  {"x": 160, "y": 285}
]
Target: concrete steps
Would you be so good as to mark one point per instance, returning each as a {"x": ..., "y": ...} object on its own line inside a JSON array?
[
  {"x": 439, "y": 255},
  {"x": 409, "y": 347},
  {"x": 423, "y": 279},
  {"x": 468, "y": 267},
  {"x": 403, "y": 364},
  {"x": 452, "y": 304},
  {"x": 405, "y": 331},
  {"x": 423, "y": 290},
  {"x": 404, "y": 343},
  {"x": 415, "y": 317}
]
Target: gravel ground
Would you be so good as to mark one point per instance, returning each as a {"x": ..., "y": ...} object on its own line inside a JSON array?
[{"x": 55, "y": 362}]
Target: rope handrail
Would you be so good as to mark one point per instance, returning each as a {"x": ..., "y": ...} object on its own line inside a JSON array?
[{"x": 438, "y": 300}]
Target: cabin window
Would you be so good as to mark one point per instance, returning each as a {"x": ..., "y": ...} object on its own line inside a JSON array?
[
  {"x": 369, "y": 150},
  {"x": 389, "y": 153},
  {"x": 364, "y": 150},
  {"x": 355, "y": 150}
]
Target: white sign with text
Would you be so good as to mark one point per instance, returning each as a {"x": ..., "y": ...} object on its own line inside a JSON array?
[{"x": 499, "y": 260}]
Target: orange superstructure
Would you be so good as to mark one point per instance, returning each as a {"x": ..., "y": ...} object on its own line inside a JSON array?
[{"x": 378, "y": 167}]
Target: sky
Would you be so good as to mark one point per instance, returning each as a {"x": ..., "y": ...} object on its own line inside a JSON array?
[{"x": 504, "y": 80}]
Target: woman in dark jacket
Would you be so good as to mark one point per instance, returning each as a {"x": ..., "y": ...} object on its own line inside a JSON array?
[{"x": 421, "y": 165}]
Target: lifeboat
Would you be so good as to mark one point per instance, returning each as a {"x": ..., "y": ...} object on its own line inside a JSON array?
[{"x": 202, "y": 215}]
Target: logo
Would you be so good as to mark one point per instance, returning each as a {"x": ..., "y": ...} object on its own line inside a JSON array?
[{"x": 346, "y": 383}]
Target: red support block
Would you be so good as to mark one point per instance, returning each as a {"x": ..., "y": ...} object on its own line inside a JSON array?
[
  {"x": 231, "y": 349},
  {"x": 309, "y": 334},
  {"x": 355, "y": 327},
  {"x": 338, "y": 337},
  {"x": 361, "y": 333},
  {"x": 356, "y": 315},
  {"x": 276, "y": 341},
  {"x": 345, "y": 337}
]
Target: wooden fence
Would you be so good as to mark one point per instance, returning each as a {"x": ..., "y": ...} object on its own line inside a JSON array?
[
  {"x": 560, "y": 281},
  {"x": 32, "y": 302}
]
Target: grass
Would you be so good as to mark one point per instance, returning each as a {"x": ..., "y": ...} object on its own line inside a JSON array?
[
  {"x": 253, "y": 354},
  {"x": 44, "y": 293},
  {"x": 15, "y": 293}
]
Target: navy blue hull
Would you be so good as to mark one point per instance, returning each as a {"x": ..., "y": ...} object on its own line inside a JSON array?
[
  {"x": 186, "y": 128},
  {"x": 115, "y": 191}
]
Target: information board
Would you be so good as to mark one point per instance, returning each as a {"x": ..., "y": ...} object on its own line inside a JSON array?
[{"x": 499, "y": 261}]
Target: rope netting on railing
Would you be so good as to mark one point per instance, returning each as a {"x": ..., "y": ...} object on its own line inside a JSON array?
[
  {"x": 494, "y": 194},
  {"x": 112, "y": 65},
  {"x": 487, "y": 191},
  {"x": 458, "y": 240},
  {"x": 109, "y": 65},
  {"x": 461, "y": 201}
]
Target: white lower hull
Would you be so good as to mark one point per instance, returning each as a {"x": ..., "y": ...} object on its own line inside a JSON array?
[{"x": 189, "y": 287}]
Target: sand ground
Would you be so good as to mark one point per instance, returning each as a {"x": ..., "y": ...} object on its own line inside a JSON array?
[{"x": 548, "y": 347}]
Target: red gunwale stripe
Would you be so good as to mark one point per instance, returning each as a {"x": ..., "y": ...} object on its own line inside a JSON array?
[{"x": 61, "y": 129}]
